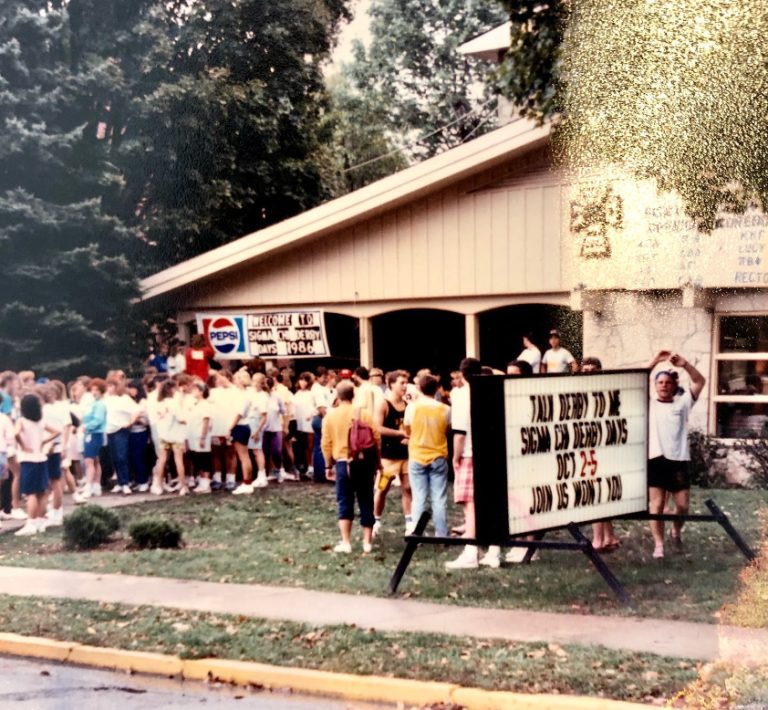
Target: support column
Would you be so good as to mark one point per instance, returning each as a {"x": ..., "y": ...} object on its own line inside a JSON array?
[
  {"x": 472, "y": 336},
  {"x": 366, "y": 342}
]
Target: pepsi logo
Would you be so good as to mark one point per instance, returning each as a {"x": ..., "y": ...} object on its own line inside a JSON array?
[{"x": 224, "y": 335}]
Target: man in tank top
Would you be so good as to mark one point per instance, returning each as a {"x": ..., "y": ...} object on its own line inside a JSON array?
[{"x": 394, "y": 448}]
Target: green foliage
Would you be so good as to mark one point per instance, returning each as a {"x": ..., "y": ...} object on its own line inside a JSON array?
[
  {"x": 703, "y": 450},
  {"x": 65, "y": 279},
  {"x": 530, "y": 73},
  {"x": 152, "y": 533},
  {"x": 362, "y": 150},
  {"x": 413, "y": 68},
  {"x": 89, "y": 527}
]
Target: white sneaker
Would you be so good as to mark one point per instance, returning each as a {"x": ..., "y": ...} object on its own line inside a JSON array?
[
  {"x": 261, "y": 480},
  {"x": 172, "y": 487},
  {"x": 343, "y": 547},
  {"x": 203, "y": 486},
  {"x": 410, "y": 528},
  {"x": 96, "y": 489},
  {"x": 127, "y": 491},
  {"x": 81, "y": 497},
  {"x": 376, "y": 529},
  {"x": 282, "y": 475},
  {"x": 5, "y": 516},
  {"x": 367, "y": 547},
  {"x": 310, "y": 470},
  {"x": 492, "y": 558},
  {"x": 142, "y": 488},
  {"x": 54, "y": 517},
  {"x": 41, "y": 523},
  {"x": 156, "y": 489},
  {"x": 466, "y": 560},
  {"x": 18, "y": 514},
  {"x": 243, "y": 489},
  {"x": 30, "y": 528}
]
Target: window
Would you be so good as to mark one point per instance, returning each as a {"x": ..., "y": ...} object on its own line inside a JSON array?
[{"x": 741, "y": 363}]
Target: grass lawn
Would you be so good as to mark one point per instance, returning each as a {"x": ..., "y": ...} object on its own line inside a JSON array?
[
  {"x": 285, "y": 536},
  {"x": 497, "y": 665}
]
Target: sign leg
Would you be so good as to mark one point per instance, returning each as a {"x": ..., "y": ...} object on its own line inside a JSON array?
[
  {"x": 722, "y": 518},
  {"x": 600, "y": 566},
  {"x": 411, "y": 544}
]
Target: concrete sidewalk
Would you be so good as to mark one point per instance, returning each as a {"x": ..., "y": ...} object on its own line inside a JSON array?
[{"x": 669, "y": 638}]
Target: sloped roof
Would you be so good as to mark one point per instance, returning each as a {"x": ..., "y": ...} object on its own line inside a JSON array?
[
  {"x": 432, "y": 174},
  {"x": 489, "y": 44}
]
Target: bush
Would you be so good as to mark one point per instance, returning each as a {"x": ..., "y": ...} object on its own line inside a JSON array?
[
  {"x": 89, "y": 526},
  {"x": 702, "y": 470},
  {"x": 155, "y": 532}
]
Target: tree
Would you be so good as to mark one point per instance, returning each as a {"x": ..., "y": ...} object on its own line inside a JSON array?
[
  {"x": 228, "y": 134},
  {"x": 435, "y": 97},
  {"x": 530, "y": 72},
  {"x": 669, "y": 92},
  {"x": 62, "y": 296},
  {"x": 362, "y": 150}
]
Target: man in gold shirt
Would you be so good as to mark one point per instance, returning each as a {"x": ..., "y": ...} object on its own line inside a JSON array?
[
  {"x": 354, "y": 479},
  {"x": 427, "y": 423}
]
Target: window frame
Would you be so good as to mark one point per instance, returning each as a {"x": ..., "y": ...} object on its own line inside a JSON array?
[{"x": 715, "y": 397}]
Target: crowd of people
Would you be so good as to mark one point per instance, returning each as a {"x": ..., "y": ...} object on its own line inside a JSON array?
[{"x": 202, "y": 429}]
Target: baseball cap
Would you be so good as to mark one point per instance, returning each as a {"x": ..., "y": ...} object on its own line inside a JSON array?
[
  {"x": 376, "y": 372},
  {"x": 554, "y": 331},
  {"x": 345, "y": 374}
]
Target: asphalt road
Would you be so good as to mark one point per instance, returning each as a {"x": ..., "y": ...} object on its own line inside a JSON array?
[{"x": 41, "y": 685}]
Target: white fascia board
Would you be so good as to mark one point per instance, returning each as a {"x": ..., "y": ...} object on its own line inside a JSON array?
[
  {"x": 336, "y": 214},
  {"x": 488, "y": 44}
]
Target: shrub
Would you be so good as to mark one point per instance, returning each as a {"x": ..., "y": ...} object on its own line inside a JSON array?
[
  {"x": 703, "y": 453},
  {"x": 89, "y": 526},
  {"x": 155, "y": 532}
]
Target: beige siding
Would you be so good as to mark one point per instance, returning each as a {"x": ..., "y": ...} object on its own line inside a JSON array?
[{"x": 498, "y": 233}]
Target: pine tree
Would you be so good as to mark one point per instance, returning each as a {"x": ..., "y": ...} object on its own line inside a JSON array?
[{"x": 62, "y": 294}]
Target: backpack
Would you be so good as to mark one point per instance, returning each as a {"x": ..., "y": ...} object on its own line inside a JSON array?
[{"x": 362, "y": 443}]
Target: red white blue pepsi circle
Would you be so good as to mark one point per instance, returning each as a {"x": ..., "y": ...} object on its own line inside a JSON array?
[{"x": 226, "y": 335}]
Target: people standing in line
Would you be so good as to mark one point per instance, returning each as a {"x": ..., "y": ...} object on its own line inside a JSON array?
[
  {"x": 531, "y": 353},
  {"x": 557, "y": 358},
  {"x": 275, "y": 427},
  {"x": 321, "y": 401},
  {"x": 122, "y": 412},
  {"x": 172, "y": 431},
  {"x": 668, "y": 449},
  {"x": 33, "y": 439},
  {"x": 427, "y": 422},
  {"x": 283, "y": 391},
  {"x": 10, "y": 385},
  {"x": 94, "y": 424},
  {"x": 240, "y": 430},
  {"x": 7, "y": 445},
  {"x": 258, "y": 419},
  {"x": 353, "y": 479},
  {"x": 463, "y": 484},
  {"x": 56, "y": 417},
  {"x": 225, "y": 402},
  {"x": 199, "y": 436},
  {"x": 389, "y": 419},
  {"x": 303, "y": 407},
  {"x": 138, "y": 437}
]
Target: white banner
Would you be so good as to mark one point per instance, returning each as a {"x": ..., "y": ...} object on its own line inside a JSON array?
[
  {"x": 271, "y": 334},
  {"x": 576, "y": 448}
]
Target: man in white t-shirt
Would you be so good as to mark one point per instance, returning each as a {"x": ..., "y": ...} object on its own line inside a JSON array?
[
  {"x": 531, "y": 354},
  {"x": 668, "y": 453},
  {"x": 557, "y": 358}
]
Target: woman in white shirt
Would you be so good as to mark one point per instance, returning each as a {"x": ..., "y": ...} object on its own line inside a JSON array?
[
  {"x": 121, "y": 414},
  {"x": 138, "y": 439},
  {"x": 172, "y": 430},
  {"x": 258, "y": 418},
  {"x": 240, "y": 428},
  {"x": 199, "y": 435},
  {"x": 303, "y": 403}
]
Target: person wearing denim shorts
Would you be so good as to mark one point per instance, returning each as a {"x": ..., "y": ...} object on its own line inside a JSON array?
[{"x": 426, "y": 423}]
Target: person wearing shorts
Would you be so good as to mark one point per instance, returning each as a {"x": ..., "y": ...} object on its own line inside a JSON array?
[
  {"x": 199, "y": 436},
  {"x": 668, "y": 451},
  {"x": 389, "y": 416}
]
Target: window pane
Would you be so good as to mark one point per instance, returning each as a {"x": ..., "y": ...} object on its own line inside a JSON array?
[
  {"x": 742, "y": 377},
  {"x": 735, "y": 421},
  {"x": 743, "y": 334}
]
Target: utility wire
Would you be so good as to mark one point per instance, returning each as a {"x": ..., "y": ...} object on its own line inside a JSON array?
[{"x": 429, "y": 135}]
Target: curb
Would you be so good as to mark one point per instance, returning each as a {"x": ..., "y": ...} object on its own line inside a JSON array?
[{"x": 340, "y": 685}]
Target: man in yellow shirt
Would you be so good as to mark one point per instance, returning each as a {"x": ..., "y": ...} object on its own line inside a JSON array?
[
  {"x": 354, "y": 479},
  {"x": 427, "y": 423}
]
